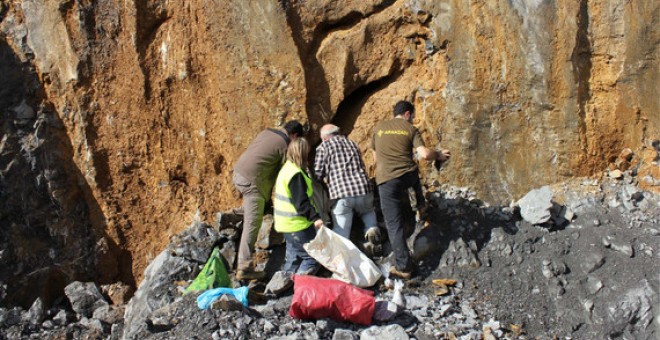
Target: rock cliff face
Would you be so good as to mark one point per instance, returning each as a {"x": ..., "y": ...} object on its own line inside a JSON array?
[{"x": 140, "y": 108}]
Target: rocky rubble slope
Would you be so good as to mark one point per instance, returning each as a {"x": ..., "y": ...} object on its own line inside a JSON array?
[
  {"x": 589, "y": 270},
  {"x": 121, "y": 119}
]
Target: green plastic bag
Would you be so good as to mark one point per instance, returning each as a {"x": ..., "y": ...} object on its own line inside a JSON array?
[{"x": 213, "y": 275}]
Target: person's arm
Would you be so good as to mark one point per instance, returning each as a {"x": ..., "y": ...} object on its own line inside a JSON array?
[
  {"x": 301, "y": 202},
  {"x": 319, "y": 164},
  {"x": 426, "y": 153},
  {"x": 431, "y": 155},
  {"x": 373, "y": 145}
]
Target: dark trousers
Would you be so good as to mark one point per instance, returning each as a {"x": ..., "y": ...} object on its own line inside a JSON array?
[{"x": 393, "y": 195}]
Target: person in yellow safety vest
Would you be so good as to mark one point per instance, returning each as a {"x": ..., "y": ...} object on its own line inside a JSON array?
[{"x": 295, "y": 212}]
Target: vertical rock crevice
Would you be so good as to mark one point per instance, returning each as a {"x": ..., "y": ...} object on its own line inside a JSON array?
[
  {"x": 149, "y": 18},
  {"x": 582, "y": 66}
]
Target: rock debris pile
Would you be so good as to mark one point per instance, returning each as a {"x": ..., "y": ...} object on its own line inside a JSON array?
[{"x": 576, "y": 260}]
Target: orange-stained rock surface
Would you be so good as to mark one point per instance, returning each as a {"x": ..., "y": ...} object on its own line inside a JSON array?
[{"x": 159, "y": 98}]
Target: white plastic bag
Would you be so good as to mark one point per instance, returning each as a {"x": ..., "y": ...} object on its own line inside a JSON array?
[
  {"x": 397, "y": 296},
  {"x": 343, "y": 258}
]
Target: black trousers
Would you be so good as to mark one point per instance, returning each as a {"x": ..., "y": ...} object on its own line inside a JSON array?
[{"x": 393, "y": 195}]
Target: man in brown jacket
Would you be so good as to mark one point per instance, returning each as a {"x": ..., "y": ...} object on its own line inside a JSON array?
[{"x": 254, "y": 177}]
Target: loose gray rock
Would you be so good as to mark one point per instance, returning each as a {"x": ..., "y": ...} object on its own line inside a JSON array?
[
  {"x": 416, "y": 302},
  {"x": 393, "y": 332},
  {"x": 267, "y": 236},
  {"x": 92, "y": 324},
  {"x": 633, "y": 314},
  {"x": 269, "y": 327},
  {"x": 48, "y": 324},
  {"x": 459, "y": 254},
  {"x": 294, "y": 336},
  {"x": 10, "y": 317},
  {"x": 85, "y": 298},
  {"x": 624, "y": 248},
  {"x": 109, "y": 314},
  {"x": 593, "y": 285},
  {"x": 344, "y": 334},
  {"x": 36, "y": 314},
  {"x": 62, "y": 318},
  {"x": 280, "y": 283},
  {"x": 228, "y": 251},
  {"x": 592, "y": 262},
  {"x": 535, "y": 206}
]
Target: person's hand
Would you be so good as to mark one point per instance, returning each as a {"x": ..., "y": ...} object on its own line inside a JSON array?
[
  {"x": 318, "y": 223},
  {"x": 443, "y": 155}
]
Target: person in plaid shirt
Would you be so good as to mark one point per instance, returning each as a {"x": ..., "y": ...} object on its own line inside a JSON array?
[{"x": 339, "y": 164}]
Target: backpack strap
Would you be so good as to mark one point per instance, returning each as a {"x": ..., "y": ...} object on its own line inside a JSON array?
[{"x": 281, "y": 134}]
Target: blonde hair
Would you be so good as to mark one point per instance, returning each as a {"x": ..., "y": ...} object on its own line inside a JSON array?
[{"x": 298, "y": 152}]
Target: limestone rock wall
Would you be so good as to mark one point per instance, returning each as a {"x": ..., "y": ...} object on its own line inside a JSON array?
[{"x": 157, "y": 99}]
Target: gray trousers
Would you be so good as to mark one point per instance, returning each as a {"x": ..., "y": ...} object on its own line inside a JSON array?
[{"x": 253, "y": 212}]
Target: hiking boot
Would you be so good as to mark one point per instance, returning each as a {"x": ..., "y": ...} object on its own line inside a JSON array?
[
  {"x": 249, "y": 274},
  {"x": 373, "y": 235},
  {"x": 373, "y": 250},
  {"x": 399, "y": 273}
]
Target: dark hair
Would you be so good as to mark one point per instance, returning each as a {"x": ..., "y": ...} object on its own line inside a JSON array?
[
  {"x": 402, "y": 106},
  {"x": 293, "y": 126}
]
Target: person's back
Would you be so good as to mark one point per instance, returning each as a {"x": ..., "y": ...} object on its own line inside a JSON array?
[
  {"x": 394, "y": 141},
  {"x": 262, "y": 159},
  {"x": 342, "y": 168}
]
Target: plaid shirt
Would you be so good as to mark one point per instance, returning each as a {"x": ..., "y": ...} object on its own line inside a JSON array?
[{"x": 339, "y": 163}]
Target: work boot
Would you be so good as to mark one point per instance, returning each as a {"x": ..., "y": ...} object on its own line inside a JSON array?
[
  {"x": 373, "y": 235},
  {"x": 249, "y": 274},
  {"x": 373, "y": 250},
  {"x": 399, "y": 273}
]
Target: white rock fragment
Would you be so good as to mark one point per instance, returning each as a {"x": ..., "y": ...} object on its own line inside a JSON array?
[
  {"x": 624, "y": 248},
  {"x": 535, "y": 206},
  {"x": 593, "y": 285}
]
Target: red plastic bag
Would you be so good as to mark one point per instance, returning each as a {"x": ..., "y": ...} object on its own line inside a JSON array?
[{"x": 317, "y": 298}]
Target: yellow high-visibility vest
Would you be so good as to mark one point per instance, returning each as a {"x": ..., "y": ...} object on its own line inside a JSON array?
[{"x": 287, "y": 219}]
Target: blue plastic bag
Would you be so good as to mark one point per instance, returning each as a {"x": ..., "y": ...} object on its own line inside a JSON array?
[{"x": 205, "y": 300}]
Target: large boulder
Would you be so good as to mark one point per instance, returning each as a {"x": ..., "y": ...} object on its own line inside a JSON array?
[{"x": 535, "y": 207}]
